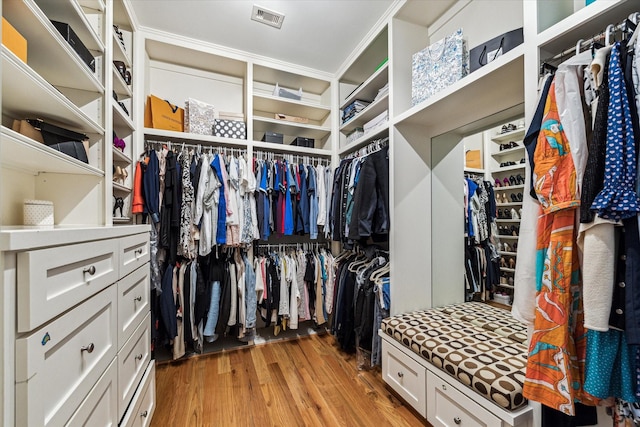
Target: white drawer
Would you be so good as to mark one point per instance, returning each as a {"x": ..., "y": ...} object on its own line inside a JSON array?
[
  {"x": 57, "y": 365},
  {"x": 50, "y": 281},
  {"x": 133, "y": 302},
  {"x": 134, "y": 252},
  {"x": 406, "y": 376},
  {"x": 449, "y": 407},
  {"x": 143, "y": 403},
  {"x": 132, "y": 362},
  {"x": 100, "y": 408}
]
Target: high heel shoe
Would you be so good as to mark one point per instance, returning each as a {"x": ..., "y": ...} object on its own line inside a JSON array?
[
  {"x": 512, "y": 263},
  {"x": 515, "y": 247},
  {"x": 504, "y": 198},
  {"x": 500, "y": 214},
  {"x": 515, "y": 231},
  {"x": 498, "y": 183},
  {"x": 118, "y": 202},
  {"x": 503, "y": 262},
  {"x": 505, "y": 182},
  {"x": 507, "y": 248},
  {"x": 519, "y": 197},
  {"x": 119, "y": 174},
  {"x": 512, "y": 180},
  {"x": 514, "y": 214},
  {"x": 513, "y": 197},
  {"x": 519, "y": 179}
]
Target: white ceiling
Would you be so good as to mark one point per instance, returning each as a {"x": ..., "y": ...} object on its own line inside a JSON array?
[{"x": 318, "y": 34}]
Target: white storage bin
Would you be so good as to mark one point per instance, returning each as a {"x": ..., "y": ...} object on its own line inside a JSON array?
[{"x": 38, "y": 213}]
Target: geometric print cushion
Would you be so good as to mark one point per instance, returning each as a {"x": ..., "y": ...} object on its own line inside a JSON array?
[{"x": 491, "y": 364}]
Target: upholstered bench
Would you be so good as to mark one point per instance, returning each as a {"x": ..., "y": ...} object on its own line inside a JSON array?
[{"x": 479, "y": 345}]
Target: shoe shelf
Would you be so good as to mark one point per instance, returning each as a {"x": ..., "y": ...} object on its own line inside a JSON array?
[
  {"x": 517, "y": 134},
  {"x": 120, "y": 118},
  {"x": 504, "y": 285},
  {"x": 509, "y": 204},
  {"x": 507, "y": 253},
  {"x": 518, "y": 166},
  {"x": 119, "y": 54},
  {"x": 508, "y": 151},
  {"x": 507, "y": 236},
  {"x": 120, "y": 188},
  {"x": 70, "y": 12},
  {"x": 119, "y": 86},
  {"x": 119, "y": 156},
  {"x": 507, "y": 220},
  {"x": 508, "y": 270},
  {"x": 121, "y": 219},
  {"x": 510, "y": 188}
]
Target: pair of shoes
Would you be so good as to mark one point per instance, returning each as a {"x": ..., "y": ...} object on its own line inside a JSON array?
[
  {"x": 118, "y": 202},
  {"x": 512, "y": 263},
  {"x": 512, "y": 180},
  {"x": 500, "y": 214},
  {"x": 120, "y": 174},
  {"x": 504, "y": 198},
  {"x": 116, "y": 29},
  {"x": 503, "y": 280},
  {"x": 522, "y": 160},
  {"x": 508, "y": 128},
  {"x": 122, "y": 70},
  {"x": 503, "y": 262},
  {"x": 504, "y": 164},
  {"x": 514, "y": 214},
  {"x": 120, "y": 103},
  {"x": 515, "y": 231},
  {"x": 519, "y": 179},
  {"x": 510, "y": 144},
  {"x": 515, "y": 198},
  {"x": 118, "y": 143}
]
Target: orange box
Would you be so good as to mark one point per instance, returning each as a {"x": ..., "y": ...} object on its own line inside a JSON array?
[
  {"x": 14, "y": 41},
  {"x": 473, "y": 159}
]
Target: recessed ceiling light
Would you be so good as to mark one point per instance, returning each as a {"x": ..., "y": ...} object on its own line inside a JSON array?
[{"x": 266, "y": 16}]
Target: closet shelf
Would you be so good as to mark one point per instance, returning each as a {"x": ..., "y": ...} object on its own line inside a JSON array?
[
  {"x": 474, "y": 170},
  {"x": 510, "y": 188},
  {"x": 192, "y": 138},
  {"x": 377, "y": 133},
  {"x": 263, "y": 124},
  {"x": 97, "y": 5},
  {"x": 371, "y": 111},
  {"x": 503, "y": 285},
  {"x": 505, "y": 236},
  {"x": 492, "y": 90},
  {"x": 507, "y": 220},
  {"x": 368, "y": 90},
  {"x": 292, "y": 149},
  {"x": 47, "y": 47},
  {"x": 510, "y": 168},
  {"x": 508, "y": 151},
  {"x": 119, "y": 86},
  {"x": 119, "y": 54},
  {"x": 514, "y": 135},
  {"x": 18, "y": 151},
  {"x": 121, "y": 220},
  {"x": 70, "y": 12},
  {"x": 509, "y": 204},
  {"x": 583, "y": 24},
  {"x": 25, "y": 94},
  {"x": 119, "y": 156},
  {"x": 508, "y": 270},
  {"x": 120, "y": 118},
  {"x": 276, "y": 104},
  {"x": 507, "y": 253},
  {"x": 120, "y": 188}
]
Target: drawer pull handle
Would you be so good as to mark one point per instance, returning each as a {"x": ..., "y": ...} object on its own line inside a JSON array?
[
  {"x": 444, "y": 387},
  {"x": 144, "y": 414},
  {"x": 138, "y": 252},
  {"x": 88, "y": 349},
  {"x": 91, "y": 270},
  {"x": 139, "y": 357},
  {"x": 457, "y": 420},
  {"x": 400, "y": 375},
  {"x": 138, "y": 298}
]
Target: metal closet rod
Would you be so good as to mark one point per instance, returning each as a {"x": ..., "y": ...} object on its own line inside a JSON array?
[
  {"x": 292, "y": 245},
  {"x": 582, "y": 43},
  {"x": 270, "y": 155},
  {"x": 372, "y": 147},
  {"x": 197, "y": 147}
]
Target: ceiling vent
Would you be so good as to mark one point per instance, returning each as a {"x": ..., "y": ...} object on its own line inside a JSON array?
[{"x": 266, "y": 16}]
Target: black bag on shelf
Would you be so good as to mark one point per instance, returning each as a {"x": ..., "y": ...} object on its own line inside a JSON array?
[
  {"x": 64, "y": 140},
  {"x": 74, "y": 41},
  {"x": 485, "y": 53}
]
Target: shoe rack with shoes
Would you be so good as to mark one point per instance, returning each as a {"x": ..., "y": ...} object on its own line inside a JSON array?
[{"x": 507, "y": 173}]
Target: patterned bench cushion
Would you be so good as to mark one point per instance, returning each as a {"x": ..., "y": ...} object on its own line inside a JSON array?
[{"x": 488, "y": 361}]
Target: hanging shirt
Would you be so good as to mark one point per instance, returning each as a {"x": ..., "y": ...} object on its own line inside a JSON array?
[{"x": 221, "y": 233}]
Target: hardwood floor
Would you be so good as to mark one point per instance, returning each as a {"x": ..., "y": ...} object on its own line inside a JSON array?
[{"x": 303, "y": 382}]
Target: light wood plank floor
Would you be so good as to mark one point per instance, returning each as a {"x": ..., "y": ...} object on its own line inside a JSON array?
[{"x": 303, "y": 382}]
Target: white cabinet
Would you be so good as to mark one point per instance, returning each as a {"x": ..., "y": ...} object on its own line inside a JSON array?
[
  {"x": 143, "y": 402},
  {"x": 447, "y": 407},
  {"x": 80, "y": 357},
  {"x": 406, "y": 376}
]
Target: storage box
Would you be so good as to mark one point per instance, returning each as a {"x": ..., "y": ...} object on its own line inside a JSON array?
[
  {"x": 481, "y": 55},
  {"x": 38, "y": 213},
  {"x": 502, "y": 299},
  {"x": 272, "y": 137},
  {"x": 303, "y": 142},
  {"x": 199, "y": 117},
  {"x": 72, "y": 38},
  {"x": 284, "y": 93},
  {"x": 473, "y": 159},
  {"x": 294, "y": 119},
  {"x": 229, "y": 129},
  {"x": 14, "y": 41}
]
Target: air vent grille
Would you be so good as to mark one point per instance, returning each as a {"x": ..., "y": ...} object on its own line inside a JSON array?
[{"x": 266, "y": 16}]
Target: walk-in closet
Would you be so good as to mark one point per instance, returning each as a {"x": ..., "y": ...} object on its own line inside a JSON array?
[{"x": 338, "y": 213}]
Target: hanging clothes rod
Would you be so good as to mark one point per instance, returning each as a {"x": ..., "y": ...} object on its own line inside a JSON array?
[
  {"x": 316, "y": 245},
  {"x": 196, "y": 147},
  {"x": 372, "y": 147},
  {"x": 603, "y": 35},
  {"x": 292, "y": 158}
]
